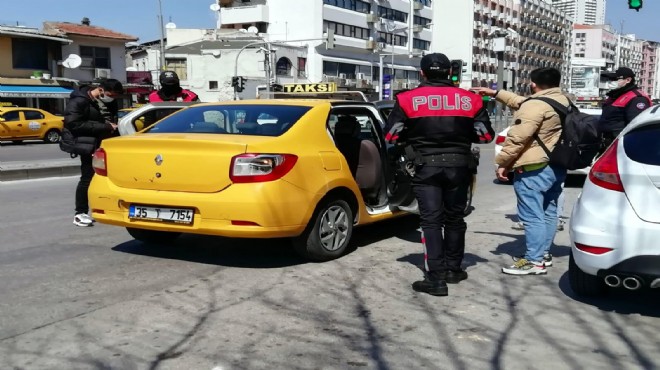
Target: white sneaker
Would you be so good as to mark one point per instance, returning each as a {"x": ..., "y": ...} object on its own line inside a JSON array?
[
  {"x": 524, "y": 267},
  {"x": 83, "y": 220}
]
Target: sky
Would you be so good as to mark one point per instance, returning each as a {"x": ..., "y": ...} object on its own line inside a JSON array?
[{"x": 139, "y": 17}]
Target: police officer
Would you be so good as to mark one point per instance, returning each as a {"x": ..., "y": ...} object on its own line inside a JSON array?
[
  {"x": 439, "y": 122},
  {"x": 624, "y": 102},
  {"x": 170, "y": 90}
]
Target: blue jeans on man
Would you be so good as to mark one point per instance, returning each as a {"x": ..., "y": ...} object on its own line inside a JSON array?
[{"x": 537, "y": 192}]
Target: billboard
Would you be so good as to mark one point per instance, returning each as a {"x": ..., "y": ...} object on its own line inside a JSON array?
[{"x": 584, "y": 82}]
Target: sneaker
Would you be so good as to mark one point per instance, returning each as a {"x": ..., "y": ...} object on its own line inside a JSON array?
[
  {"x": 547, "y": 259},
  {"x": 560, "y": 225},
  {"x": 524, "y": 267},
  {"x": 83, "y": 220},
  {"x": 518, "y": 226},
  {"x": 431, "y": 286}
]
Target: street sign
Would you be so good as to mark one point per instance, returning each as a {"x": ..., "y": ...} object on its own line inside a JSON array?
[
  {"x": 387, "y": 87},
  {"x": 307, "y": 88}
]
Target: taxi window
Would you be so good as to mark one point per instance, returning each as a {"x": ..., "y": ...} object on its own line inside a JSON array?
[
  {"x": 33, "y": 114},
  {"x": 260, "y": 120},
  {"x": 366, "y": 120},
  {"x": 11, "y": 116}
]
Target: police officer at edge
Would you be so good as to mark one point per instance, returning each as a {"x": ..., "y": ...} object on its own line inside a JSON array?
[
  {"x": 439, "y": 122},
  {"x": 624, "y": 102}
]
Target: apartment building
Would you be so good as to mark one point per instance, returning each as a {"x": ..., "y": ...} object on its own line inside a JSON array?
[
  {"x": 398, "y": 30},
  {"x": 647, "y": 77},
  {"x": 590, "y": 12},
  {"x": 629, "y": 53},
  {"x": 545, "y": 41},
  {"x": 595, "y": 42}
]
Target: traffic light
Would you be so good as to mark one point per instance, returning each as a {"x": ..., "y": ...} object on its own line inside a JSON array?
[
  {"x": 635, "y": 4},
  {"x": 456, "y": 71},
  {"x": 238, "y": 83}
]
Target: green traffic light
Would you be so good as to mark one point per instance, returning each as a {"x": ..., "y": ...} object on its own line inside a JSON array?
[
  {"x": 635, "y": 4},
  {"x": 454, "y": 78}
]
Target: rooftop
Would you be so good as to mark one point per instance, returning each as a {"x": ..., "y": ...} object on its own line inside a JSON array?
[{"x": 84, "y": 29}]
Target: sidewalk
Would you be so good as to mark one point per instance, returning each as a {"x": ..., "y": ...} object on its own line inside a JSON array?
[{"x": 36, "y": 169}]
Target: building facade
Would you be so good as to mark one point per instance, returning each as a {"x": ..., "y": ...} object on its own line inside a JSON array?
[
  {"x": 396, "y": 32},
  {"x": 590, "y": 12},
  {"x": 647, "y": 77},
  {"x": 629, "y": 53}
]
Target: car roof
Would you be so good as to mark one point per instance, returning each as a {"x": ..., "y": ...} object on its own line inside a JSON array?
[
  {"x": 648, "y": 117},
  {"x": 7, "y": 109}
]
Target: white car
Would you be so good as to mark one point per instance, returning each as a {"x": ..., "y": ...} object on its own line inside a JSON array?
[
  {"x": 499, "y": 140},
  {"x": 615, "y": 224}
]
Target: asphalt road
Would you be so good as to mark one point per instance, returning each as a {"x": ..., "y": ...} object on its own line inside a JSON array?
[
  {"x": 92, "y": 298},
  {"x": 35, "y": 151}
]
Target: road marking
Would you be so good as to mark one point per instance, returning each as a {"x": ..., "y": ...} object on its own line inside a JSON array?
[{"x": 44, "y": 179}]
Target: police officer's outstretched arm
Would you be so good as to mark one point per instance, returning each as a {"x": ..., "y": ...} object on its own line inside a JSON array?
[
  {"x": 483, "y": 128},
  {"x": 395, "y": 123}
]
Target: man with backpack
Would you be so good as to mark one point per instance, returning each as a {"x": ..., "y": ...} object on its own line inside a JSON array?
[{"x": 540, "y": 160}]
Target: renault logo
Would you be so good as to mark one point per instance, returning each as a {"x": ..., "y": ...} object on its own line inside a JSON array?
[{"x": 158, "y": 160}]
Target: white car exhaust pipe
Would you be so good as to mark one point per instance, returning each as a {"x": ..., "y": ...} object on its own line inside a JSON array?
[
  {"x": 612, "y": 281},
  {"x": 632, "y": 283}
]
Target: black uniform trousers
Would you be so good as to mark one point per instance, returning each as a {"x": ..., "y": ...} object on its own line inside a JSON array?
[{"x": 441, "y": 194}]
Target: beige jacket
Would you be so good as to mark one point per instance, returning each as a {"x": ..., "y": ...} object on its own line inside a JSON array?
[{"x": 534, "y": 116}]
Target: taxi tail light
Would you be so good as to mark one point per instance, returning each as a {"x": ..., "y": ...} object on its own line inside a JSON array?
[
  {"x": 251, "y": 167},
  {"x": 500, "y": 139},
  {"x": 100, "y": 162},
  {"x": 605, "y": 172}
]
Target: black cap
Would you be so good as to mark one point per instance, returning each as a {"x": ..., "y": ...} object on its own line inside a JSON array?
[
  {"x": 622, "y": 72},
  {"x": 169, "y": 78},
  {"x": 434, "y": 62}
]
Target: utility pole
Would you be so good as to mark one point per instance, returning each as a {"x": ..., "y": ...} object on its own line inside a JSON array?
[{"x": 162, "y": 36}]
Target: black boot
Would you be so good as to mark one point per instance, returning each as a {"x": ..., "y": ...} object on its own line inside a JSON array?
[
  {"x": 455, "y": 276},
  {"x": 432, "y": 285}
]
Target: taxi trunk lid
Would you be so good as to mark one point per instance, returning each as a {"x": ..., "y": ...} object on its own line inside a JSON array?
[{"x": 172, "y": 162}]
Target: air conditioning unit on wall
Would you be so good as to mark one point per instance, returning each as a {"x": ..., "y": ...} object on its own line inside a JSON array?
[{"x": 102, "y": 73}]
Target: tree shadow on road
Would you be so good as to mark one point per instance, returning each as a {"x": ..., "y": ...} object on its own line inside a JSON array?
[
  {"x": 645, "y": 302},
  {"x": 417, "y": 260},
  {"x": 516, "y": 246}
]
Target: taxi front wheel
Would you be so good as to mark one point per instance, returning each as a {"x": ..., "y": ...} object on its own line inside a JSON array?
[
  {"x": 328, "y": 234},
  {"x": 153, "y": 236}
]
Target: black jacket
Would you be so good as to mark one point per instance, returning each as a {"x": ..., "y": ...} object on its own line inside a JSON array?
[
  {"x": 621, "y": 107},
  {"x": 83, "y": 117},
  {"x": 439, "y": 118}
]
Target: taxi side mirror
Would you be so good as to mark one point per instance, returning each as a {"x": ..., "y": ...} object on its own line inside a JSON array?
[{"x": 2, "y": 119}]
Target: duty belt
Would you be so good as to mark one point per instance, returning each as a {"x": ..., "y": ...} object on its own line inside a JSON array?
[{"x": 447, "y": 160}]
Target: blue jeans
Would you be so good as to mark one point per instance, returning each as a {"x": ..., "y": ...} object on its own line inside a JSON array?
[{"x": 537, "y": 192}]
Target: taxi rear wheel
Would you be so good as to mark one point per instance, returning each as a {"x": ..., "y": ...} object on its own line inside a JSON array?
[
  {"x": 52, "y": 136},
  {"x": 153, "y": 236},
  {"x": 328, "y": 234}
]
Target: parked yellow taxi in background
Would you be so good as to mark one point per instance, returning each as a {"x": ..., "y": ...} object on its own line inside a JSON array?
[
  {"x": 18, "y": 124},
  {"x": 305, "y": 169}
]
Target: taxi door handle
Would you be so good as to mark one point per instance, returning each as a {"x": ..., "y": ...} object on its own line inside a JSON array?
[{"x": 20, "y": 125}]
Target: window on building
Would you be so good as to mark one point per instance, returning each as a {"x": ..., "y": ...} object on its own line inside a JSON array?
[
  {"x": 355, "y": 5},
  {"x": 95, "y": 57},
  {"x": 213, "y": 85},
  {"x": 422, "y": 21},
  {"x": 347, "y": 30},
  {"x": 29, "y": 54},
  {"x": 179, "y": 66},
  {"x": 392, "y": 14},
  {"x": 302, "y": 67},
  {"x": 283, "y": 67},
  {"x": 421, "y": 44},
  {"x": 392, "y": 39},
  {"x": 335, "y": 69}
]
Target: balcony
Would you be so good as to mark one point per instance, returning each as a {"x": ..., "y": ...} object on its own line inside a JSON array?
[{"x": 245, "y": 14}]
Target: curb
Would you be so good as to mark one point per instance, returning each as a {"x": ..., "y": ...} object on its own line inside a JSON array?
[{"x": 14, "y": 171}]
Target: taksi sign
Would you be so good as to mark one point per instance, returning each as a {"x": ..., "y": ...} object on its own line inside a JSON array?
[{"x": 310, "y": 88}]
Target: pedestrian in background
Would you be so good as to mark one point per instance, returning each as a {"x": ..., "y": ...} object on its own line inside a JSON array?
[
  {"x": 171, "y": 90},
  {"x": 438, "y": 123},
  {"x": 537, "y": 183},
  {"x": 90, "y": 116},
  {"x": 624, "y": 102}
]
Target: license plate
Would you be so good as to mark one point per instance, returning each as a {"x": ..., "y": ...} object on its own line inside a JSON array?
[{"x": 178, "y": 215}]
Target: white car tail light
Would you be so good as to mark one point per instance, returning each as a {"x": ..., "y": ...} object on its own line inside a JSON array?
[
  {"x": 247, "y": 168},
  {"x": 605, "y": 172},
  {"x": 100, "y": 162}
]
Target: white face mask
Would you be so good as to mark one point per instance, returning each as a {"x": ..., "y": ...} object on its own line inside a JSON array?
[
  {"x": 612, "y": 85},
  {"x": 106, "y": 99}
]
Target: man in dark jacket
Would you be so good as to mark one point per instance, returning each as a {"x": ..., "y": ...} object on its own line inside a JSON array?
[
  {"x": 440, "y": 122},
  {"x": 91, "y": 114},
  {"x": 624, "y": 102}
]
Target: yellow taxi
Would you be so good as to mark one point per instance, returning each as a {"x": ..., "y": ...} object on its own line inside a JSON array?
[
  {"x": 306, "y": 169},
  {"x": 18, "y": 124}
]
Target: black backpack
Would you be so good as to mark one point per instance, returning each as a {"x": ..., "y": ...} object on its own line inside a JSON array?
[{"x": 580, "y": 139}]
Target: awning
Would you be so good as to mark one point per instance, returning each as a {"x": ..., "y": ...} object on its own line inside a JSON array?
[{"x": 24, "y": 91}]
